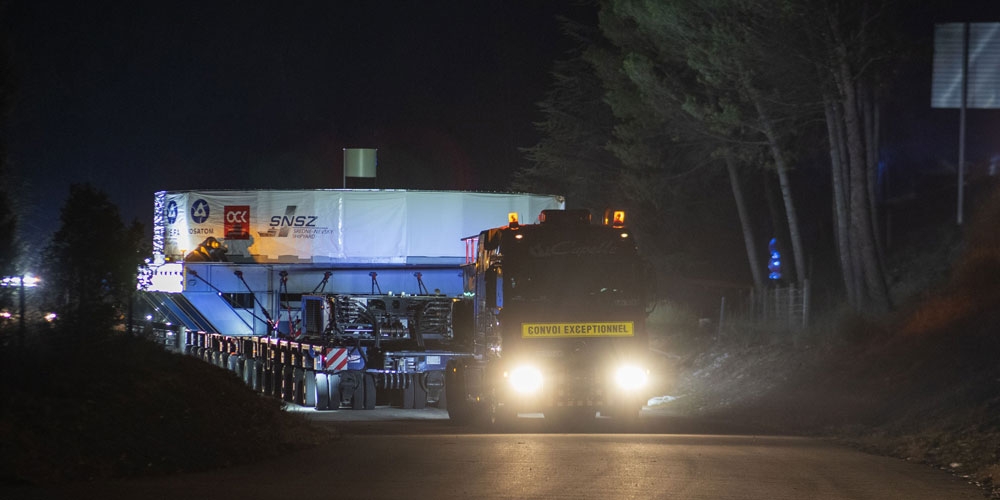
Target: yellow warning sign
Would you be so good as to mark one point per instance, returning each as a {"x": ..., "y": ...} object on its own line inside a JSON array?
[{"x": 558, "y": 330}]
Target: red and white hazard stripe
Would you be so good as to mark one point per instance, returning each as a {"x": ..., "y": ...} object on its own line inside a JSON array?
[{"x": 335, "y": 359}]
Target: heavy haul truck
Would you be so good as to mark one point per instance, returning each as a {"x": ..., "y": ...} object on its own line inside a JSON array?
[
  {"x": 354, "y": 298},
  {"x": 327, "y": 298},
  {"x": 559, "y": 312}
]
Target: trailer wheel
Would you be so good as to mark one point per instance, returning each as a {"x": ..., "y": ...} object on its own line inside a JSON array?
[
  {"x": 309, "y": 388},
  {"x": 298, "y": 392},
  {"x": 334, "y": 394},
  {"x": 498, "y": 418},
  {"x": 277, "y": 380},
  {"x": 435, "y": 388},
  {"x": 403, "y": 397},
  {"x": 363, "y": 393},
  {"x": 267, "y": 378},
  {"x": 460, "y": 409},
  {"x": 263, "y": 376},
  {"x": 288, "y": 383},
  {"x": 369, "y": 394},
  {"x": 415, "y": 393},
  {"x": 247, "y": 375},
  {"x": 321, "y": 386},
  {"x": 252, "y": 369}
]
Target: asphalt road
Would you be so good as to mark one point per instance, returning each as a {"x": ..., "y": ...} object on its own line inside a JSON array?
[{"x": 388, "y": 453}]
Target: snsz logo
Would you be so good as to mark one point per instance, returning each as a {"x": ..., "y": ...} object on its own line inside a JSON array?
[
  {"x": 302, "y": 226},
  {"x": 199, "y": 211}
]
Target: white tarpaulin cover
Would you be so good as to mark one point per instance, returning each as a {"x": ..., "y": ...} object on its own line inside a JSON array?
[{"x": 335, "y": 225}]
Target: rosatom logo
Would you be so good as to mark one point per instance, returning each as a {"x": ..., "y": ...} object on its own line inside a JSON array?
[
  {"x": 199, "y": 211},
  {"x": 237, "y": 222},
  {"x": 171, "y": 212}
]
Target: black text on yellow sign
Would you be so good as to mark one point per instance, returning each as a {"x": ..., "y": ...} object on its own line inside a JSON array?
[{"x": 560, "y": 330}]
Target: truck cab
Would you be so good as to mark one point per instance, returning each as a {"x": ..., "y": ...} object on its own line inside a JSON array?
[{"x": 559, "y": 317}]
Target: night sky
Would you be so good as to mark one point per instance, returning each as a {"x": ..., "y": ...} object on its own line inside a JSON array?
[{"x": 137, "y": 97}]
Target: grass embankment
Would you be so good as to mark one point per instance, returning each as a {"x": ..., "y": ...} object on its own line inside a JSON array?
[
  {"x": 122, "y": 406},
  {"x": 922, "y": 383}
]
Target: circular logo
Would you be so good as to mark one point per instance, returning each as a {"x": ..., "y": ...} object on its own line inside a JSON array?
[
  {"x": 199, "y": 211},
  {"x": 171, "y": 212}
]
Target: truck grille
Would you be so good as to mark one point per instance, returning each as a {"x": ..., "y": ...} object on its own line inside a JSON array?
[{"x": 578, "y": 388}]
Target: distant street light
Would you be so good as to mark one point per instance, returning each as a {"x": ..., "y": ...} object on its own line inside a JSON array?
[
  {"x": 25, "y": 280},
  {"x": 22, "y": 282}
]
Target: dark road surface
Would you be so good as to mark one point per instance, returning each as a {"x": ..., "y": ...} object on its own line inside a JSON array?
[{"x": 398, "y": 454}]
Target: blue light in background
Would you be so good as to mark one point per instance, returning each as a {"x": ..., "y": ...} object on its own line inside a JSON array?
[{"x": 774, "y": 263}]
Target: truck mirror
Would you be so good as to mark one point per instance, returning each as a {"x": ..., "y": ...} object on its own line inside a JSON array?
[
  {"x": 494, "y": 288},
  {"x": 491, "y": 288}
]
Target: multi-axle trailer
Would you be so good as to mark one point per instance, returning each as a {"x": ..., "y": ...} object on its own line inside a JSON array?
[{"x": 326, "y": 298}]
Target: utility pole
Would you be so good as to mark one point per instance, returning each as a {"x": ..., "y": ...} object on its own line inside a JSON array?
[{"x": 21, "y": 327}]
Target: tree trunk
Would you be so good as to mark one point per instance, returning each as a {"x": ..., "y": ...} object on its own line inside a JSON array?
[
  {"x": 876, "y": 296},
  {"x": 872, "y": 136},
  {"x": 841, "y": 213},
  {"x": 748, "y": 238},
  {"x": 786, "y": 188},
  {"x": 869, "y": 110}
]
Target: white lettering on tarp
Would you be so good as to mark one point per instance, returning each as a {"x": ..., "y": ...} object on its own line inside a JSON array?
[{"x": 241, "y": 216}]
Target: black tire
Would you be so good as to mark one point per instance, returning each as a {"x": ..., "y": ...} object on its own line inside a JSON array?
[
  {"x": 460, "y": 409},
  {"x": 236, "y": 364},
  {"x": 309, "y": 389},
  {"x": 298, "y": 387},
  {"x": 498, "y": 418},
  {"x": 265, "y": 378},
  {"x": 287, "y": 383},
  {"x": 415, "y": 394},
  {"x": 363, "y": 397},
  {"x": 369, "y": 391},
  {"x": 333, "y": 394},
  {"x": 248, "y": 371},
  {"x": 259, "y": 376},
  {"x": 321, "y": 386},
  {"x": 404, "y": 397},
  {"x": 435, "y": 384},
  {"x": 276, "y": 380}
]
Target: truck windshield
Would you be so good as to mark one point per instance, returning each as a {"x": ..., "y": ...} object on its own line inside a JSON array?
[{"x": 601, "y": 279}]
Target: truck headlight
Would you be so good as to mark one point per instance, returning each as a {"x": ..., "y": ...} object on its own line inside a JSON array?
[
  {"x": 630, "y": 377},
  {"x": 525, "y": 379}
]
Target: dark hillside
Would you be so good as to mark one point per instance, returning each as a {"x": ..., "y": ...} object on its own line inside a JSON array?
[
  {"x": 922, "y": 384},
  {"x": 123, "y": 406}
]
